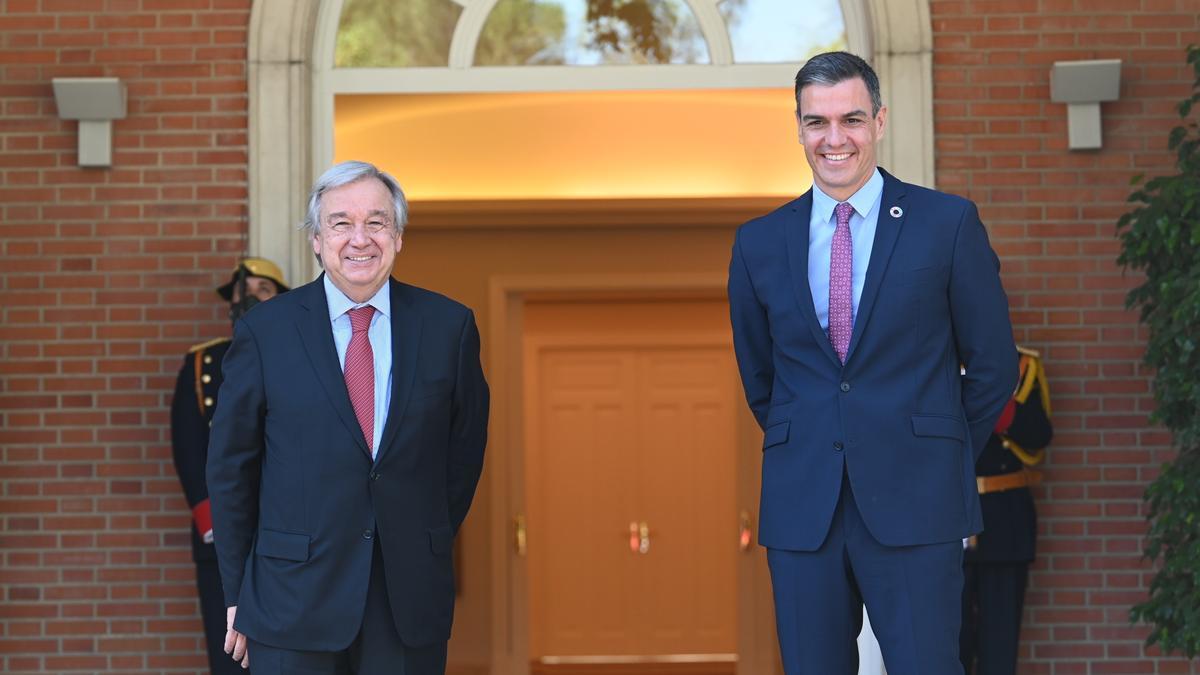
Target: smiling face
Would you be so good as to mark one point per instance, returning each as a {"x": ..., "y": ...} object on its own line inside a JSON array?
[
  {"x": 358, "y": 240},
  {"x": 839, "y": 135}
]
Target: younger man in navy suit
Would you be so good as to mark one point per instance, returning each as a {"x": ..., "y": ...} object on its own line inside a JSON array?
[{"x": 853, "y": 309}]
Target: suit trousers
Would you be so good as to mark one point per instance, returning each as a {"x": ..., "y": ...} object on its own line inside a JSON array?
[
  {"x": 913, "y": 597},
  {"x": 376, "y": 650}
]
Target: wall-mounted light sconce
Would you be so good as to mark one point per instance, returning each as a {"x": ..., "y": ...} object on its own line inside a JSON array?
[
  {"x": 95, "y": 102},
  {"x": 1082, "y": 85}
]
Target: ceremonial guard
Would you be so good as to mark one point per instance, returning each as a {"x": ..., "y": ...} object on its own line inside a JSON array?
[
  {"x": 254, "y": 280},
  {"x": 996, "y": 562}
]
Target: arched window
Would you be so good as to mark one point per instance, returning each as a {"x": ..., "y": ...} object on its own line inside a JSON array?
[
  {"x": 428, "y": 46},
  {"x": 481, "y": 33}
]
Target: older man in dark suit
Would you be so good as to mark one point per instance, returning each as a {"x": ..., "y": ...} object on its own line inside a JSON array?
[{"x": 346, "y": 452}]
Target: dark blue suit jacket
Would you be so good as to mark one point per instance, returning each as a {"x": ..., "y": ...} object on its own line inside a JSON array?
[
  {"x": 898, "y": 416},
  {"x": 296, "y": 498}
]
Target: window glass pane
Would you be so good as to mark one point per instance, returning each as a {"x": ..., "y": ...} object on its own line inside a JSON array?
[
  {"x": 590, "y": 32},
  {"x": 783, "y": 31},
  {"x": 395, "y": 33}
]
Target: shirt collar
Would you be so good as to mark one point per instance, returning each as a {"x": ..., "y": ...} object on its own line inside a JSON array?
[
  {"x": 862, "y": 201},
  {"x": 339, "y": 304}
]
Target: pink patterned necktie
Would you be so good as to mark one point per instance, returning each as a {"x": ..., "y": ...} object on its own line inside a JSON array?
[
  {"x": 360, "y": 372},
  {"x": 841, "y": 282}
]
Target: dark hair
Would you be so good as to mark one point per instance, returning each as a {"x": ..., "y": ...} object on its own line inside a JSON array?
[{"x": 832, "y": 68}]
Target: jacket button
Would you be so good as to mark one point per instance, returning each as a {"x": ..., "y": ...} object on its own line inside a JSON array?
[
  {"x": 367, "y": 534},
  {"x": 206, "y": 378},
  {"x": 845, "y": 387},
  {"x": 208, "y": 401},
  {"x": 374, "y": 475},
  {"x": 837, "y": 445}
]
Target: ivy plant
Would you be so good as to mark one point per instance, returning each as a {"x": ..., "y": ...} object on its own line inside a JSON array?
[{"x": 1160, "y": 238}]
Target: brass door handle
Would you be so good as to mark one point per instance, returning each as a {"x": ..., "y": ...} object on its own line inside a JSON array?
[
  {"x": 519, "y": 540},
  {"x": 639, "y": 537},
  {"x": 745, "y": 532}
]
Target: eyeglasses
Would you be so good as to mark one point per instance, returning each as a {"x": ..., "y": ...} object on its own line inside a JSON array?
[{"x": 344, "y": 228}]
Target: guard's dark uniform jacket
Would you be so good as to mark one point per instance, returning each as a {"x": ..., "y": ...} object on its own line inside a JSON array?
[
  {"x": 191, "y": 414},
  {"x": 996, "y": 563}
]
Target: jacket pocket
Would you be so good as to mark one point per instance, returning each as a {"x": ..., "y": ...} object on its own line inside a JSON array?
[
  {"x": 441, "y": 539},
  {"x": 431, "y": 387},
  {"x": 776, "y": 433},
  {"x": 285, "y": 545},
  {"x": 921, "y": 275},
  {"x": 942, "y": 426}
]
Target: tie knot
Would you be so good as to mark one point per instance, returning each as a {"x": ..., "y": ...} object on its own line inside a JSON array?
[
  {"x": 360, "y": 318},
  {"x": 843, "y": 211}
]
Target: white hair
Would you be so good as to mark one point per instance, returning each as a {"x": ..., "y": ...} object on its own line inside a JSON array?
[{"x": 344, "y": 174}]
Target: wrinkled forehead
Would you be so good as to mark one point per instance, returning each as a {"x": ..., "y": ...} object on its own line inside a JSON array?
[{"x": 363, "y": 198}]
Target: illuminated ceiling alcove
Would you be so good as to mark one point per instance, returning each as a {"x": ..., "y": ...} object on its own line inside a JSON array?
[
  {"x": 573, "y": 99},
  {"x": 571, "y": 145}
]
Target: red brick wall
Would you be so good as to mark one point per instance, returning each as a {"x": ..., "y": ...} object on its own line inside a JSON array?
[
  {"x": 105, "y": 281},
  {"x": 1052, "y": 215}
]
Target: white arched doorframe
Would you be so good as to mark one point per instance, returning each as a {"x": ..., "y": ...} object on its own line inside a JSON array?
[{"x": 292, "y": 85}]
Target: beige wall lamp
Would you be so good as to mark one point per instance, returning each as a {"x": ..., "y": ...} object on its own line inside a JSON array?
[
  {"x": 1082, "y": 85},
  {"x": 95, "y": 102}
]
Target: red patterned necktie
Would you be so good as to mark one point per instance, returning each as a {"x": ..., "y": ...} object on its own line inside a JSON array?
[
  {"x": 841, "y": 282},
  {"x": 360, "y": 372}
]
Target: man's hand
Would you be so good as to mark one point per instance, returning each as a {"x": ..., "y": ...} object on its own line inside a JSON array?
[{"x": 235, "y": 642}]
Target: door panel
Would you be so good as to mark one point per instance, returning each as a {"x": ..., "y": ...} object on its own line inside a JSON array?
[
  {"x": 585, "y": 401},
  {"x": 687, "y": 493},
  {"x": 624, "y": 426}
]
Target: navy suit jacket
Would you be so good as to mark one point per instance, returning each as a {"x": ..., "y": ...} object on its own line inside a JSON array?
[
  {"x": 897, "y": 417},
  {"x": 297, "y": 500}
]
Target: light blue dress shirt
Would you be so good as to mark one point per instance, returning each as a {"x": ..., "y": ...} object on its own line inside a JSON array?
[
  {"x": 862, "y": 239},
  {"x": 380, "y": 335}
]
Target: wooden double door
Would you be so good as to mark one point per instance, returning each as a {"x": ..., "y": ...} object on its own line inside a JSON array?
[{"x": 633, "y": 530}]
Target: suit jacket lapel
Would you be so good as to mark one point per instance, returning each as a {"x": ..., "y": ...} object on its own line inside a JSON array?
[
  {"x": 797, "y": 246},
  {"x": 887, "y": 231},
  {"x": 406, "y": 342},
  {"x": 316, "y": 334}
]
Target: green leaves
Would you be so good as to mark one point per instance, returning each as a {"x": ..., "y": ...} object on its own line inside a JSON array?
[
  {"x": 1161, "y": 238},
  {"x": 1173, "y": 609}
]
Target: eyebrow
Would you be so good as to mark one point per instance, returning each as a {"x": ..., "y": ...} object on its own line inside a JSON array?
[
  {"x": 343, "y": 214},
  {"x": 852, "y": 113}
]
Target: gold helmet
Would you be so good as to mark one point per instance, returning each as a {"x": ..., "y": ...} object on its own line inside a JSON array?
[{"x": 255, "y": 267}]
